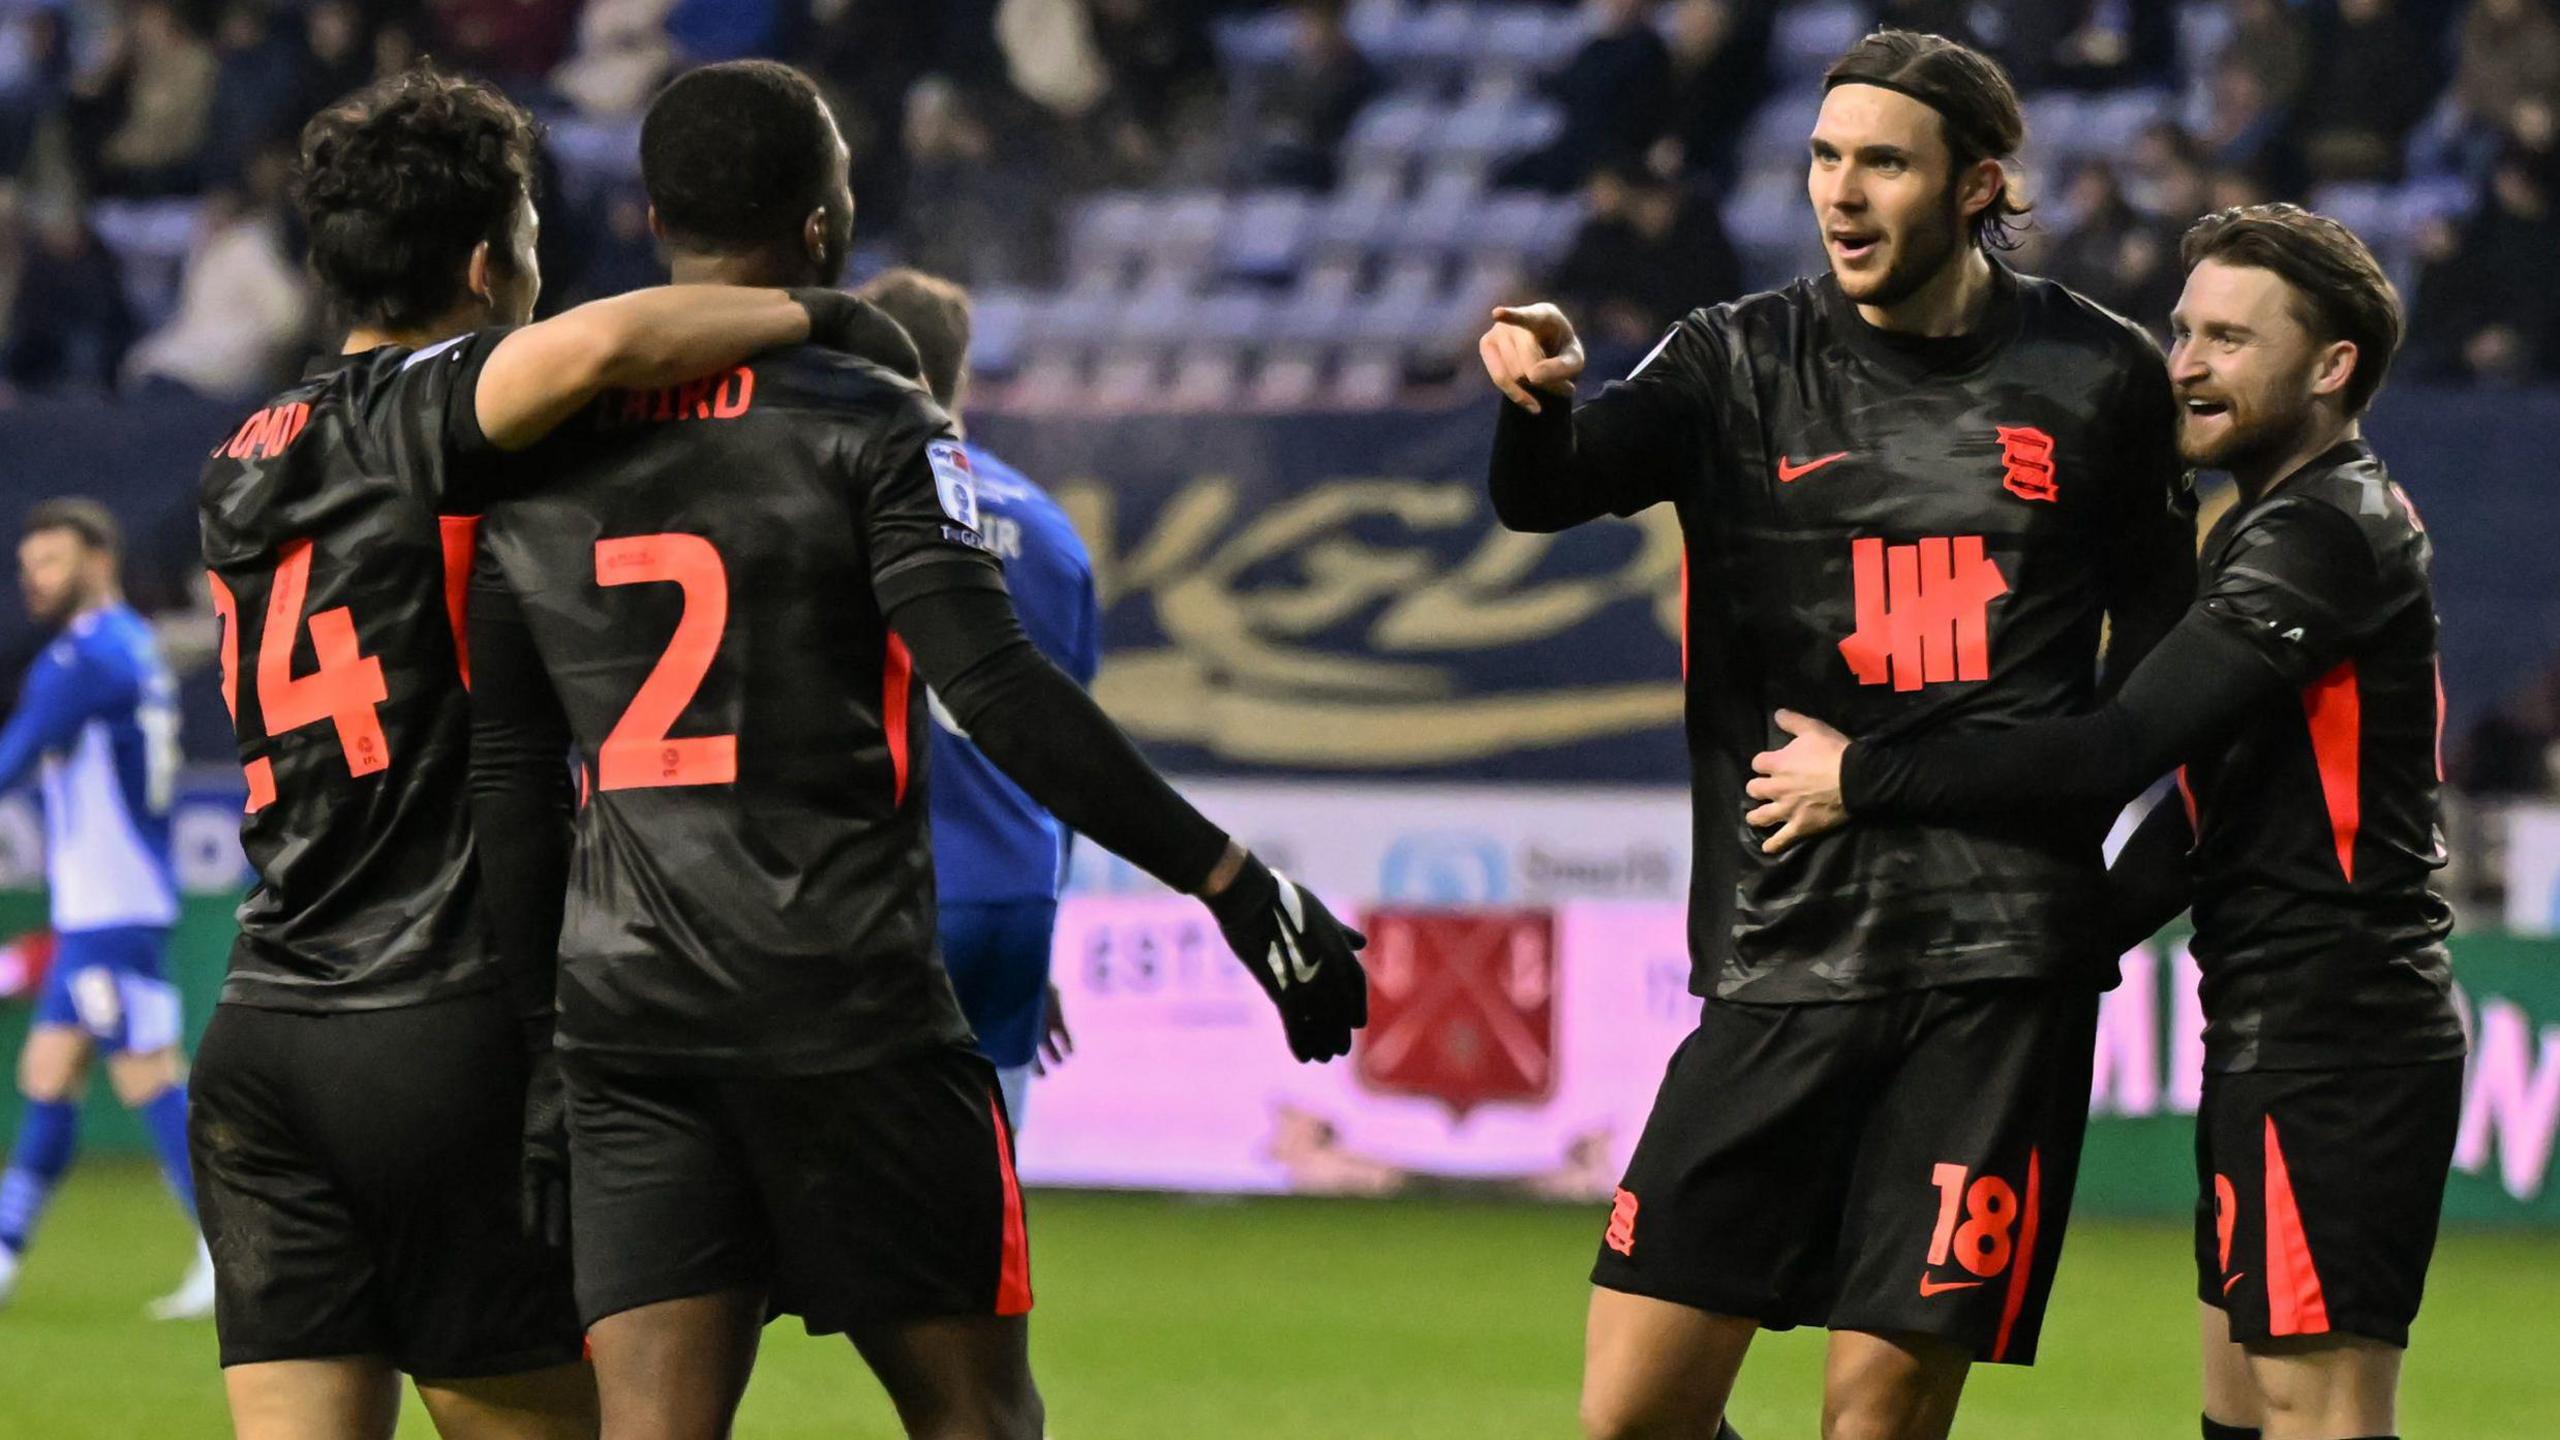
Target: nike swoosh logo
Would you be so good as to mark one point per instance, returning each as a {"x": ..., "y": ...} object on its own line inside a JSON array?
[
  {"x": 2234, "y": 1280},
  {"x": 1789, "y": 472},
  {"x": 1929, "y": 1287},
  {"x": 1296, "y": 911}
]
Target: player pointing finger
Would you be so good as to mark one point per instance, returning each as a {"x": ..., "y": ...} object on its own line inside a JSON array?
[{"x": 1531, "y": 347}]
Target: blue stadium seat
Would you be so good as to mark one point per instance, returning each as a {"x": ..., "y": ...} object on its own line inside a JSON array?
[
  {"x": 1106, "y": 234},
  {"x": 999, "y": 321},
  {"x": 1810, "y": 36},
  {"x": 1265, "y": 235}
]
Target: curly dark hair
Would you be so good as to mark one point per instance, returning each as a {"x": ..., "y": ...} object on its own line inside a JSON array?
[
  {"x": 2339, "y": 290},
  {"x": 736, "y": 155},
  {"x": 1977, "y": 108},
  {"x": 400, "y": 180}
]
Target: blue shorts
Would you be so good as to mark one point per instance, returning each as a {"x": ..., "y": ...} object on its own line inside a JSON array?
[
  {"x": 998, "y": 956},
  {"x": 113, "y": 984}
]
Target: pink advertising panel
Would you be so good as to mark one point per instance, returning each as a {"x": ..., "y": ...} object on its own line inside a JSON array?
[{"x": 1511, "y": 1052}]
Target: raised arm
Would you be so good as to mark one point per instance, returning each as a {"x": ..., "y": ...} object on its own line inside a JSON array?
[
  {"x": 1556, "y": 465},
  {"x": 545, "y": 372}
]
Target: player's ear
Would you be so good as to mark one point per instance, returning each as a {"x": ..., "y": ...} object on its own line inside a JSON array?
[
  {"x": 657, "y": 227},
  {"x": 815, "y": 237},
  {"x": 476, "y": 274},
  {"x": 2337, "y": 365},
  {"x": 1983, "y": 181}
]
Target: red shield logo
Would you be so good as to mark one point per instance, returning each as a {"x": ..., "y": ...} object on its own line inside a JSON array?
[
  {"x": 1461, "y": 1006},
  {"x": 2026, "y": 455}
]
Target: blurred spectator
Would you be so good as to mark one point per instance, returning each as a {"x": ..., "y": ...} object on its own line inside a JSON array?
[
  {"x": 1049, "y": 55},
  {"x": 2229, "y": 189},
  {"x": 705, "y": 31},
  {"x": 2093, "y": 44},
  {"x": 2113, "y": 253},
  {"x": 139, "y": 115},
  {"x": 2244, "y": 126},
  {"x": 1651, "y": 251},
  {"x": 70, "y": 324},
  {"x": 868, "y": 54},
  {"x": 35, "y": 74},
  {"x": 2506, "y": 81},
  {"x": 975, "y": 213},
  {"x": 244, "y": 314},
  {"x": 1719, "y": 75},
  {"x": 2270, "y": 41},
  {"x": 1955, "y": 19},
  {"x": 623, "y": 54},
  {"x": 1164, "y": 86},
  {"x": 2482, "y": 310},
  {"x": 2167, "y": 181},
  {"x": 1616, "y": 96},
  {"x": 395, "y": 48},
  {"x": 2508, "y": 53},
  {"x": 2375, "y": 84},
  {"x": 512, "y": 41},
  {"x": 257, "y": 92},
  {"x": 1305, "y": 107},
  {"x": 337, "y": 56}
]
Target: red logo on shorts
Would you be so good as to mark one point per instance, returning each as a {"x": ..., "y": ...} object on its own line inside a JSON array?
[
  {"x": 1622, "y": 1222},
  {"x": 2027, "y": 452}
]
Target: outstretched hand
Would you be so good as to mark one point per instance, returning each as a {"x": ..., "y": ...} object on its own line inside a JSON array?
[
  {"x": 1800, "y": 784},
  {"x": 1305, "y": 960},
  {"x": 1531, "y": 348}
]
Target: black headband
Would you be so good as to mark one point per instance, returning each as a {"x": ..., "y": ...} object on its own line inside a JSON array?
[{"x": 1982, "y": 143}]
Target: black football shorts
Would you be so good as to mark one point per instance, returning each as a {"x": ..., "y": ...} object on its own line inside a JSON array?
[
  {"x": 357, "y": 1175},
  {"x": 852, "y": 1199},
  {"x": 2318, "y": 1196},
  {"x": 1901, "y": 1165}
]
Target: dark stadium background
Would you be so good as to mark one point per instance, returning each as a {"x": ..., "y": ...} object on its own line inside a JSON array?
[{"x": 1229, "y": 260}]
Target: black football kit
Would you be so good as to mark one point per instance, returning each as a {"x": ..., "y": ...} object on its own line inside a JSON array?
[
  {"x": 725, "y": 601},
  {"x": 1895, "y": 533},
  {"x": 2302, "y": 691},
  {"x": 358, "y": 1098}
]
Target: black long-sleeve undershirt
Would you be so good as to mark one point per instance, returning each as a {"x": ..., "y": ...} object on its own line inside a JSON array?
[
  {"x": 1614, "y": 456},
  {"x": 1533, "y": 471},
  {"x": 521, "y": 805},
  {"x": 2192, "y": 689},
  {"x": 1050, "y": 737}
]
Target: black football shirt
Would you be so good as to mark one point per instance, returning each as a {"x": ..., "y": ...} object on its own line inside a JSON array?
[
  {"x": 704, "y": 572},
  {"x": 2318, "y": 831},
  {"x": 334, "y": 524},
  {"x": 1893, "y": 534}
]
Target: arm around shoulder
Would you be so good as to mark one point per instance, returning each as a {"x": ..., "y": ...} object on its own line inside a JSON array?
[{"x": 541, "y": 374}]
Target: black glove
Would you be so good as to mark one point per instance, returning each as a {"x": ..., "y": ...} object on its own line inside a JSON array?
[
  {"x": 859, "y": 328},
  {"x": 543, "y": 1201},
  {"x": 1303, "y": 958}
]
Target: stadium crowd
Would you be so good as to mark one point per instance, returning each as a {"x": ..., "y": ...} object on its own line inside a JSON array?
[{"x": 144, "y": 238}]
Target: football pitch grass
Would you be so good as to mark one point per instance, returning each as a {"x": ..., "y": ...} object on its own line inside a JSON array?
[{"x": 1161, "y": 1318}]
